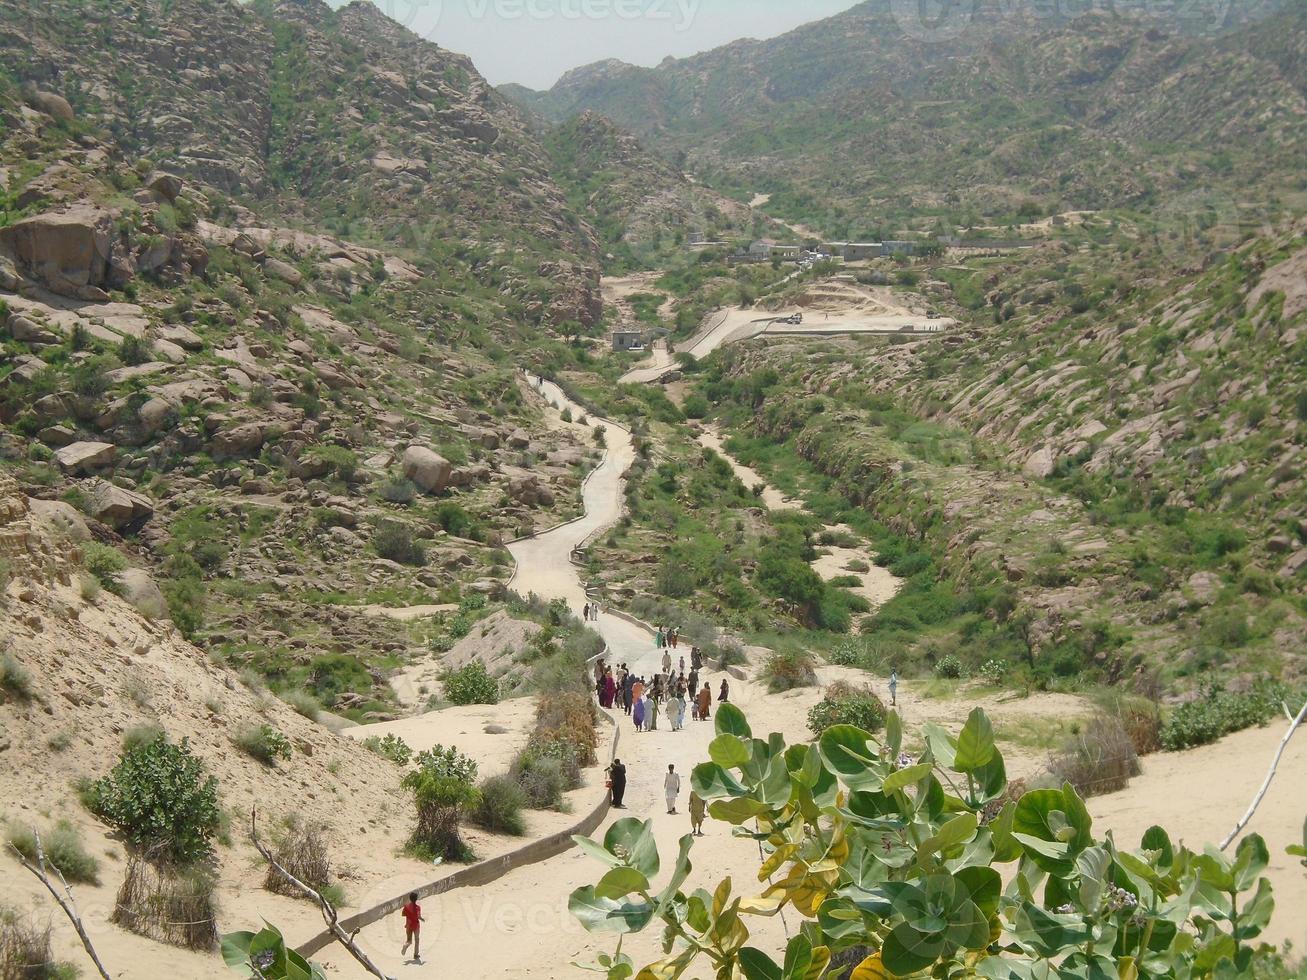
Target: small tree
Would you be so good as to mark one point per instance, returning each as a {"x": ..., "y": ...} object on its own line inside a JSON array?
[
  {"x": 443, "y": 791},
  {"x": 162, "y": 801},
  {"x": 471, "y": 684}
]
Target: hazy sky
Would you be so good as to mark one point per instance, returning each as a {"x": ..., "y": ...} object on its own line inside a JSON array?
[{"x": 535, "y": 41}]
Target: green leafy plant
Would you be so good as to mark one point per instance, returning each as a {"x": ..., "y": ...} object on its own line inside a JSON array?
[
  {"x": 161, "y": 800},
  {"x": 443, "y": 791},
  {"x": 892, "y": 863},
  {"x": 63, "y": 848},
  {"x": 844, "y": 704},
  {"x": 265, "y": 743},
  {"x": 265, "y": 955},
  {"x": 390, "y": 747},
  {"x": 105, "y": 563},
  {"x": 471, "y": 684},
  {"x": 499, "y": 809},
  {"x": 948, "y": 667},
  {"x": 1219, "y": 712}
]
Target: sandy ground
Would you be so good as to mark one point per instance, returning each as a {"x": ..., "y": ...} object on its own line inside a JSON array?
[
  {"x": 406, "y": 614},
  {"x": 1199, "y": 795}
]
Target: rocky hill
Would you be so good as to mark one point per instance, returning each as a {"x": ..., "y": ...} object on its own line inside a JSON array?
[
  {"x": 265, "y": 419},
  {"x": 339, "y": 120},
  {"x": 642, "y": 205},
  {"x": 861, "y": 123}
]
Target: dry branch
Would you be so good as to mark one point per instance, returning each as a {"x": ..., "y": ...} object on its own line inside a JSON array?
[
  {"x": 64, "y": 901},
  {"x": 1266, "y": 783},
  {"x": 329, "y": 915}
]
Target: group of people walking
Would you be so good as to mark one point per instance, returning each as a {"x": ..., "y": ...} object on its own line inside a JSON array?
[
  {"x": 667, "y": 636},
  {"x": 671, "y": 792},
  {"x": 643, "y": 699},
  {"x": 590, "y": 612}
]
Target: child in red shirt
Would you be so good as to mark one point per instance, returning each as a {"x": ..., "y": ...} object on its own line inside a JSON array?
[{"x": 413, "y": 920}]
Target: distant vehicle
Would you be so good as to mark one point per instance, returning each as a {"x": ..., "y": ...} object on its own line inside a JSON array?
[
  {"x": 794, "y": 319},
  {"x": 932, "y": 315},
  {"x": 636, "y": 348}
]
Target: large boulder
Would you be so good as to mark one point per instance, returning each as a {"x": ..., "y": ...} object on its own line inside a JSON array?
[
  {"x": 85, "y": 457},
  {"x": 138, "y": 588},
  {"x": 54, "y": 106},
  {"x": 429, "y": 470},
  {"x": 60, "y": 518},
  {"x": 115, "y": 506},
  {"x": 243, "y": 440},
  {"x": 70, "y": 251},
  {"x": 167, "y": 186}
]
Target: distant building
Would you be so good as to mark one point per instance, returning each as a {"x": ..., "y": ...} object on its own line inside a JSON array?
[
  {"x": 858, "y": 251},
  {"x": 624, "y": 340},
  {"x": 898, "y": 248}
]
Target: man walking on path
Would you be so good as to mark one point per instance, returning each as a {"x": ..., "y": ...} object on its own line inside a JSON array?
[
  {"x": 617, "y": 778},
  {"x": 698, "y": 810},
  {"x": 894, "y": 688},
  {"x": 672, "y": 787}
]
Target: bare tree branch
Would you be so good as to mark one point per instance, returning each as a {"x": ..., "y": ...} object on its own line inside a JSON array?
[
  {"x": 1266, "y": 783},
  {"x": 328, "y": 910},
  {"x": 65, "y": 901}
]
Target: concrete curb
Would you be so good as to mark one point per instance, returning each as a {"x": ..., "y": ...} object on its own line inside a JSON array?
[{"x": 483, "y": 872}]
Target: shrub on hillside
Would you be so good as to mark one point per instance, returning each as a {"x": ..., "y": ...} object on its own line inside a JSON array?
[
  {"x": 303, "y": 849},
  {"x": 1217, "y": 713},
  {"x": 161, "y": 800},
  {"x": 443, "y": 791},
  {"x": 471, "y": 684},
  {"x": 263, "y": 742},
  {"x": 543, "y": 780},
  {"x": 63, "y": 848},
  {"x": 789, "y": 668},
  {"x": 844, "y": 704},
  {"x": 1100, "y": 759},
  {"x": 390, "y": 747},
  {"x": 105, "y": 563},
  {"x": 304, "y": 704},
  {"x": 139, "y": 736},
  {"x": 398, "y": 490},
  {"x": 15, "y": 681},
  {"x": 395, "y": 542},
  {"x": 948, "y": 667},
  {"x": 499, "y": 810}
]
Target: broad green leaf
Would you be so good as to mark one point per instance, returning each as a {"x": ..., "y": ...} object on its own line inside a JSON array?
[
  {"x": 757, "y": 965},
  {"x": 893, "y": 734},
  {"x": 798, "y": 958},
  {"x": 236, "y": 951},
  {"x": 1255, "y": 915},
  {"x": 943, "y": 746},
  {"x": 907, "y": 951},
  {"x": 633, "y": 841},
  {"x": 1250, "y": 859},
  {"x": 846, "y": 751},
  {"x": 596, "y": 850},
  {"x": 730, "y": 720},
  {"x": 712, "y": 782},
  {"x": 1048, "y": 933},
  {"x": 679, "y": 874},
  {"x": 984, "y": 886},
  {"x": 606, "y": 915},
  {"x": 959, "y": 830},
  {"x": 729, "y": 751},
  {"x": 737, "y": 812},
  {"x": 620, "y": 882},
  {"x": 1158, "y": 842},
  {"x": 975, "y": 747},
  {"x": 904, "y": 778}
]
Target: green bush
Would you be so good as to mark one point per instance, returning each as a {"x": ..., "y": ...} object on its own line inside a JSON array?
[
  {"x": 105, "y": 563},
  {"x": 398, "y": 490},
  {"x": 63, "y": 848},
  {"x": 471, "y": 684},
  {"x": 390, "y": 747},
  {"x": 948, "y": 667},
  {"x": 443, "y": 790},
  {"x": 394, "y": 541},
  {"x": 993, "y": 672},
  {"x": 844, "y": 704},
  {"x": 263, "y": 742},
  {"x": 15, "y": 681},
  {"x": 304, "y": 703},
  {"x": 161, "y": 800},
  {"x": 500, "y": 807},
  {"x": 543, "y": 780},
  {"x": 1217, "y": 713}
]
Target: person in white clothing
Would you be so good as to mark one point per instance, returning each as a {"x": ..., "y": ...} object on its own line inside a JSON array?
[{"x": 672, "y": 787}]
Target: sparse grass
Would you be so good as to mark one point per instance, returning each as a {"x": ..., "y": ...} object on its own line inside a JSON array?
[
  {"x": 304, "y": 703},
  {"x": 140, "y": 736},
  {"x": 264, "y": 743},
  {"x": 59, "y": 742},
  {"x": 63, "y": 848},
  {"x": 1100, "y": 759},
  {"x": 25, "y": 952},
  {"x": 789, "y": 668},
  {"x": 15, "y": 681}
]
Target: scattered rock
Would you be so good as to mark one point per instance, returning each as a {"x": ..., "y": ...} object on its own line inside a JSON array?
[
  {"x": 427, "y": 469},
  {"x": 54, "y": 106},
  {"x": 85, "y": 457},
  {"x": 115, "y": 506}
]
